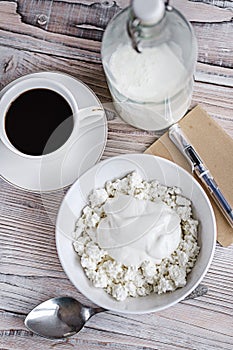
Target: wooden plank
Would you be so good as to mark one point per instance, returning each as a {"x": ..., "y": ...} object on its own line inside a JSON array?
[
  {"x": 211, "y": 32},
  {"x": 15, "y": 34},
  {"x": 68, "y": 18},
  {"x": 205, "y": 11},
  {"x": 213, "y": 74},
  {"x": 212, "y": 39}
]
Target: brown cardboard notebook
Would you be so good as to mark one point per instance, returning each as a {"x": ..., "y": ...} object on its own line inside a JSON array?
[{"x": 215, "y": 148}]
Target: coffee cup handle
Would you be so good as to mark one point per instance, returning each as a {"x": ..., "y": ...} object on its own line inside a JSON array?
[{"x": 89, "y": 115}]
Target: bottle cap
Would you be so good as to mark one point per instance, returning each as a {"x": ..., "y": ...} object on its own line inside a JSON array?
[{"x": 148, "y": 11}]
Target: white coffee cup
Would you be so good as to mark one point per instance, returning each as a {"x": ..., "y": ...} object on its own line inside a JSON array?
[{"x": 17, "y": 89}]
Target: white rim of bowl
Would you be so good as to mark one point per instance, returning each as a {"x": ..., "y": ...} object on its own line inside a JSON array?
[{"x": 156, "y": 309}]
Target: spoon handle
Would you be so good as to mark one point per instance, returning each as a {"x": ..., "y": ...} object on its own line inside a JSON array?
[
  {"x": 198, "y": 292},
  {"x": 96, "y": 310},
  {"x": 87, "y": 312}
]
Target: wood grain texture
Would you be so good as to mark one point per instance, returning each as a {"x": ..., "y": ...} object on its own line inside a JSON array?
[{"x": 65, "y": 35}]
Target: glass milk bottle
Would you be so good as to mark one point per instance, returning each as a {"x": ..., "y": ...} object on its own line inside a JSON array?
[{"x": 149, "y": 53}]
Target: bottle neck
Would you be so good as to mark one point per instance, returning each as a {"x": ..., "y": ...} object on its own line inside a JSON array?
[{"x": 143, "y": 35}]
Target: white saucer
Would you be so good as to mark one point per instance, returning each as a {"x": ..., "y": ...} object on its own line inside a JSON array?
[{"x": 53, "y": 173}]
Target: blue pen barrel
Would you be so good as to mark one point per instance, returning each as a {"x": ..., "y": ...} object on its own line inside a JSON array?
[{"x": 223, "y": 204}]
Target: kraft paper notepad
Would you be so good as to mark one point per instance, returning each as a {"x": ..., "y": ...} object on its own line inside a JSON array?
[{"x": 215, "y": 148}]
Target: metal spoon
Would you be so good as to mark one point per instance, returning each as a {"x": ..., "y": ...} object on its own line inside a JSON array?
[
  {"x": 59, "y": 317},
  {"x": 64, "y": 316}
]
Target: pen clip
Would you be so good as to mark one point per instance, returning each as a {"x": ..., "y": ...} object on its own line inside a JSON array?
[{"x": 193, "y": 156}]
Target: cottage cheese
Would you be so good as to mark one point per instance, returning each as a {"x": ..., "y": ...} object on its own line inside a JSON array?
[{"x": 125, "y": 280}]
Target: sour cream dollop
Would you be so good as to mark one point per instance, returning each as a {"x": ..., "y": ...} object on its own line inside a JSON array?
[{"x": 136, "y": 230}]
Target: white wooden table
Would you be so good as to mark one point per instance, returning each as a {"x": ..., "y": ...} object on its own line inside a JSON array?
[{"x": 65, "y": 35}]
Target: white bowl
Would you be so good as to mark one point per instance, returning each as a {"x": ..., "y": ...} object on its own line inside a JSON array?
[{"x": 149, "y": 167}]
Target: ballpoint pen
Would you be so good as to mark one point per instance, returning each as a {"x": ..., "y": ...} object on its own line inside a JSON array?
[{"x": 178, "y": 137}]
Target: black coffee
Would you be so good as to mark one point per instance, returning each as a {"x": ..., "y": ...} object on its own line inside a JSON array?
[{"x": 38, "y": 122}]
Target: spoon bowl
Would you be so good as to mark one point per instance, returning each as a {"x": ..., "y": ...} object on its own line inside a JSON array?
[{"x": 59, "y": 317}]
